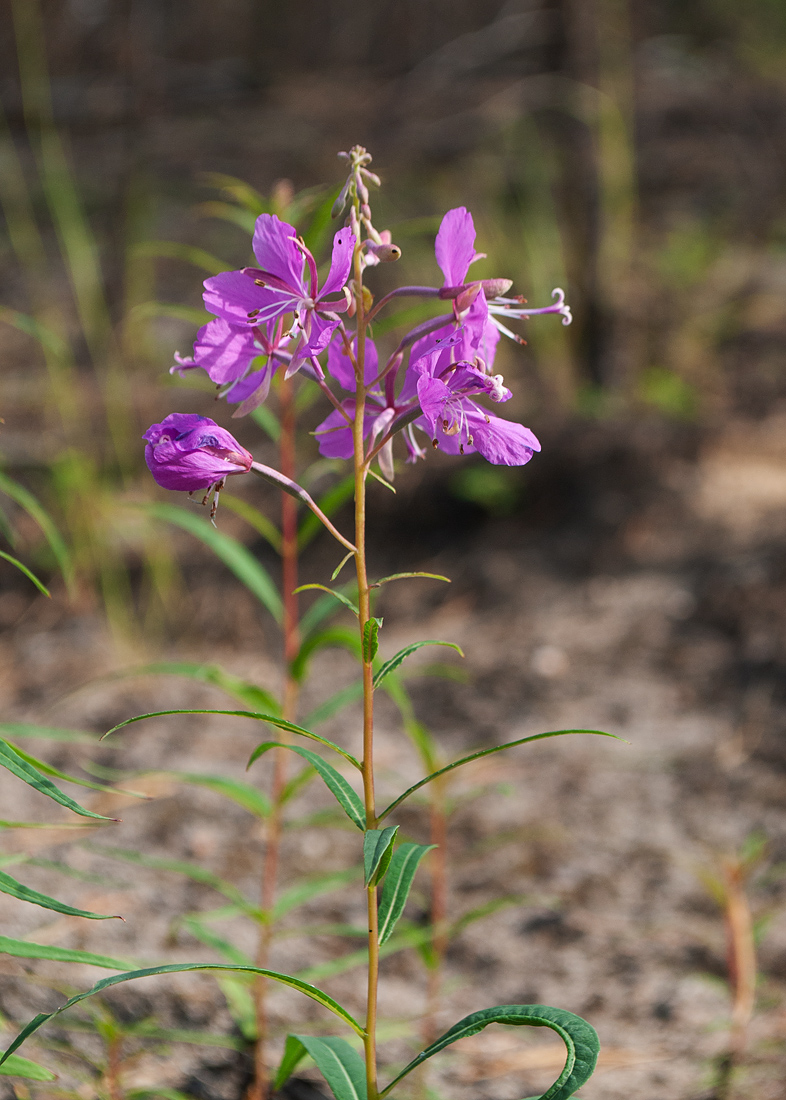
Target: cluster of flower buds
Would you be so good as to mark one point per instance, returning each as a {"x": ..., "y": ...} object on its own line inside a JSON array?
[{"x": 277, "y": 315}]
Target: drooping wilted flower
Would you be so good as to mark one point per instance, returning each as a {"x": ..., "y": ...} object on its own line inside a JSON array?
[{"x": 190, "y": 452}]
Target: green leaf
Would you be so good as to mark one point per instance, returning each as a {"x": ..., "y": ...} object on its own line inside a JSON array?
[
  {"x": 377, "y": 853},
  {"x": 256, "y": 519},
  {"x": 16, "y": 889},
  {"x": 47, "y": 769},
  {"x": 340, "y": 1065},
  {"x": 329, "y": 503},
  {"x": 179, "y": 968},
  {"x": 240, "y": 1004},
  {"x": 487, "y": 752},
  {"x": 281, "y": 723},
  {"x": 333, "y": 592},
  {"x": 371, "y": 639},
  {"x": 294, "y": 1053},
  {"x": 341, "y": 565},
  {"x": 251, "y": 799},
  {"x": 207, "y": 936},
  {"x": 321, "y": 609},
  {"x": 335, "y": 703},
  {"x": 335, "y": 782},
  {"x": 23, "y": 1067},
  {"x": 406, "y": 576},
  {"x": 268, "y": 421},
  {"x": 23, "y": 949},
  {"x": 579, "y": 1037},
  {"x": 23, "y": 569},
  {"x": 394, "y": 662},
  {"x": 333, "y": 636},
  {"x": 47, "y": 733},
  {"x": 182, "y": 867},
  {"x": 26, "y": 500},
  {"x": 163, "y": 1094},
  {"x": 245, "y": 692},
  {"x": 16, "y": 763},
  {"x": 233, "y": 553},
  {"x": 311, "y": 888},
  {"x": 410, "y": 938},
  {"x": 398, "y": 883}
]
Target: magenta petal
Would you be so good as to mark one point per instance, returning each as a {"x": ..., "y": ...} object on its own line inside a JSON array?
[
  {"x": 277, "y": 252},
  {"x": 233, "y": 295},
  {"x": 252, "y": 382},
  {"x": 189, "y": 452},
  {"x": 432, "y": 396},
  {"x": 322, "y": 328},
  {"x": 455, "y": 245},
  {"x": 340, "y": 366},
  {"x": 224, "y": 350},
  {"x": 503, "y": 442},
  {"x": 334, "y": 436},
  {"x": 341, "y": 261}
]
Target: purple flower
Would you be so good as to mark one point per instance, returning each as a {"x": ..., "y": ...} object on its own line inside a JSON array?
[
  {"x": 457, "y": 425},
  {"x": 190, "y": 452},
  {"x": 255, "y": 296},
  {"x": 225, "y": 352}
]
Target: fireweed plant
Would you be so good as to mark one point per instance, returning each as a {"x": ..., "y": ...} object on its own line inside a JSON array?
[{"x": 434, "y": 389}]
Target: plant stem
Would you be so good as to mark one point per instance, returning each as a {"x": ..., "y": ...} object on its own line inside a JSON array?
[
  {"x": 260, "y": 1086},
  {"x": 439, "y": 907},
  {"x": 364, "y": 608}
]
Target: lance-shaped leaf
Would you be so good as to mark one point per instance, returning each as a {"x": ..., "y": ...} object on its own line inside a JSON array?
[
  {"x": 16, "y": 889},
  {"x": 579, "y": 1037},
  {"x": 23, "y": 1067},
  {"x": 312, "y": 887},
  {"x": 27, "y": 572},
  {"x": 333, "y": 592},
  {"x": 335, "y": 782},
  {"x": 16, "y": 763},
  {"x": 271, "y": 719},
  {"x": 256, "y": 802},
  {"x": 47, "y": 733},
  {"x": 335, "y": 703},
  {"x": 179, "y": 968},
  {"x": 406, "y": 576},
  {"x": 398, "y": 883},
  {"x": 47, "y": 769},
  {"x": 395, "y": 661},
  {"x": 233, "y": 553},
  {"x": 322, "y": 608},
  {"x": 377, "y": 853},
  {"x": 23, "y": 949},
  {"x": 340, "y": 1065},
  {"x": 256, "y": 519},
  {"x": 487, "y": 752},
  {"x": 249, "y": 694},
  {"x": 371, "y": 639},
  {"x": 335, "y": 636}
]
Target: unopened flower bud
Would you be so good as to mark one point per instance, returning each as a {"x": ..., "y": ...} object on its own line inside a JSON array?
[
  {"x": 372, "y": 177},
  {"x": 493, "y": 287},
  {"x": 362, "y": 191},
  {"x": 338, "y": 206},
  {"x": 386, "y": 252},
  {"x": 190, "y": 452}
]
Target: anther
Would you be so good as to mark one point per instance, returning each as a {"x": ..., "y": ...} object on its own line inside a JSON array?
[
  {"x": 434, "y": 444},
  {"x": 259, "y": 282},
  {"x": 252, "y": 313}
]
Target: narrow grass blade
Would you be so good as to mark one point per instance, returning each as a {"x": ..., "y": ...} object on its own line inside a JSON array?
[
  {"x": 23, "y": 949},
  {"x": 251, "y": 799},
  {"x": 27, "y": 572},
  {"x": 57, "y": 545},
  {"x": 398, "y": 883},
  {"x": 179, "y": 968},
  {"x": 254, "y": 518},
  {"x": 401, "y": 656},
  {"x": 47, "y": 733},
  {"x": 16, "y": 889},
  {"x": 335, "y": 782},
  {"x": 177, "y": 250},
  {"x": 580, "y": 1039},
  {"x": 487, "y": 752},
  {"x": 233, "y": 553},
  {"x": 16, "y": 763},
  {"x": 377, "y": 853}
]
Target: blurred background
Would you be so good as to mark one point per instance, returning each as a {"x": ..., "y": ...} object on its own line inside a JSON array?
[{"x": 631, "y": 577}]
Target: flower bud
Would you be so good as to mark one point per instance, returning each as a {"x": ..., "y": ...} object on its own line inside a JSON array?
[
  {"x": 386, "y": 252},
  {"x": 494, "y": 287},
  {"x": 189, "y": 452},
  {"x": 340, "y": 204}
]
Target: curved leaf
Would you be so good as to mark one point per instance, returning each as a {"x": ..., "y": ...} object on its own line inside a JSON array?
[
  {"x": 335, "y": 782},
  {"x": 180, "y": 968},
  {"x": 321, "y": 608},
  {"x": 23, "y": 1067},
  {"x": 26, "y": 500},
  {"x": 251, "y": 799},
  {"x": 233, "y": 553},
  {"x": 398, "y": 883},
  {"x": 16, "y": 763},
  {"x": 281, "y": 723},
  {"x": 30, "y": 575},
  {"x": 312, "y": 887},
  {"x": 487, "y": 752},
  {"x": 333, "y": 592},
  {"x": 335, "y": 703},
  {"x": 579, "y": 1037},
  {"x": 401, "y": 656},
  {"x": 23, "y": 949},
  {"x": 406, "y": 576},
  {"x": 16, "y": 889},
  {"x": 47, "y": 769},
  {"x": 340, "y": 1065},
  {"x": 377, "y": 853},
  {"x": 47, "y": 733},
  {"x": 245, "y": 692}
]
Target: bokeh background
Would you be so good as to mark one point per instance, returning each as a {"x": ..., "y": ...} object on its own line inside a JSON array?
[{"x": 630, "y": 578}]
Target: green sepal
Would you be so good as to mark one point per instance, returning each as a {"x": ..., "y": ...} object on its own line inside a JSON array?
[{"x": 377, "y": 853}]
